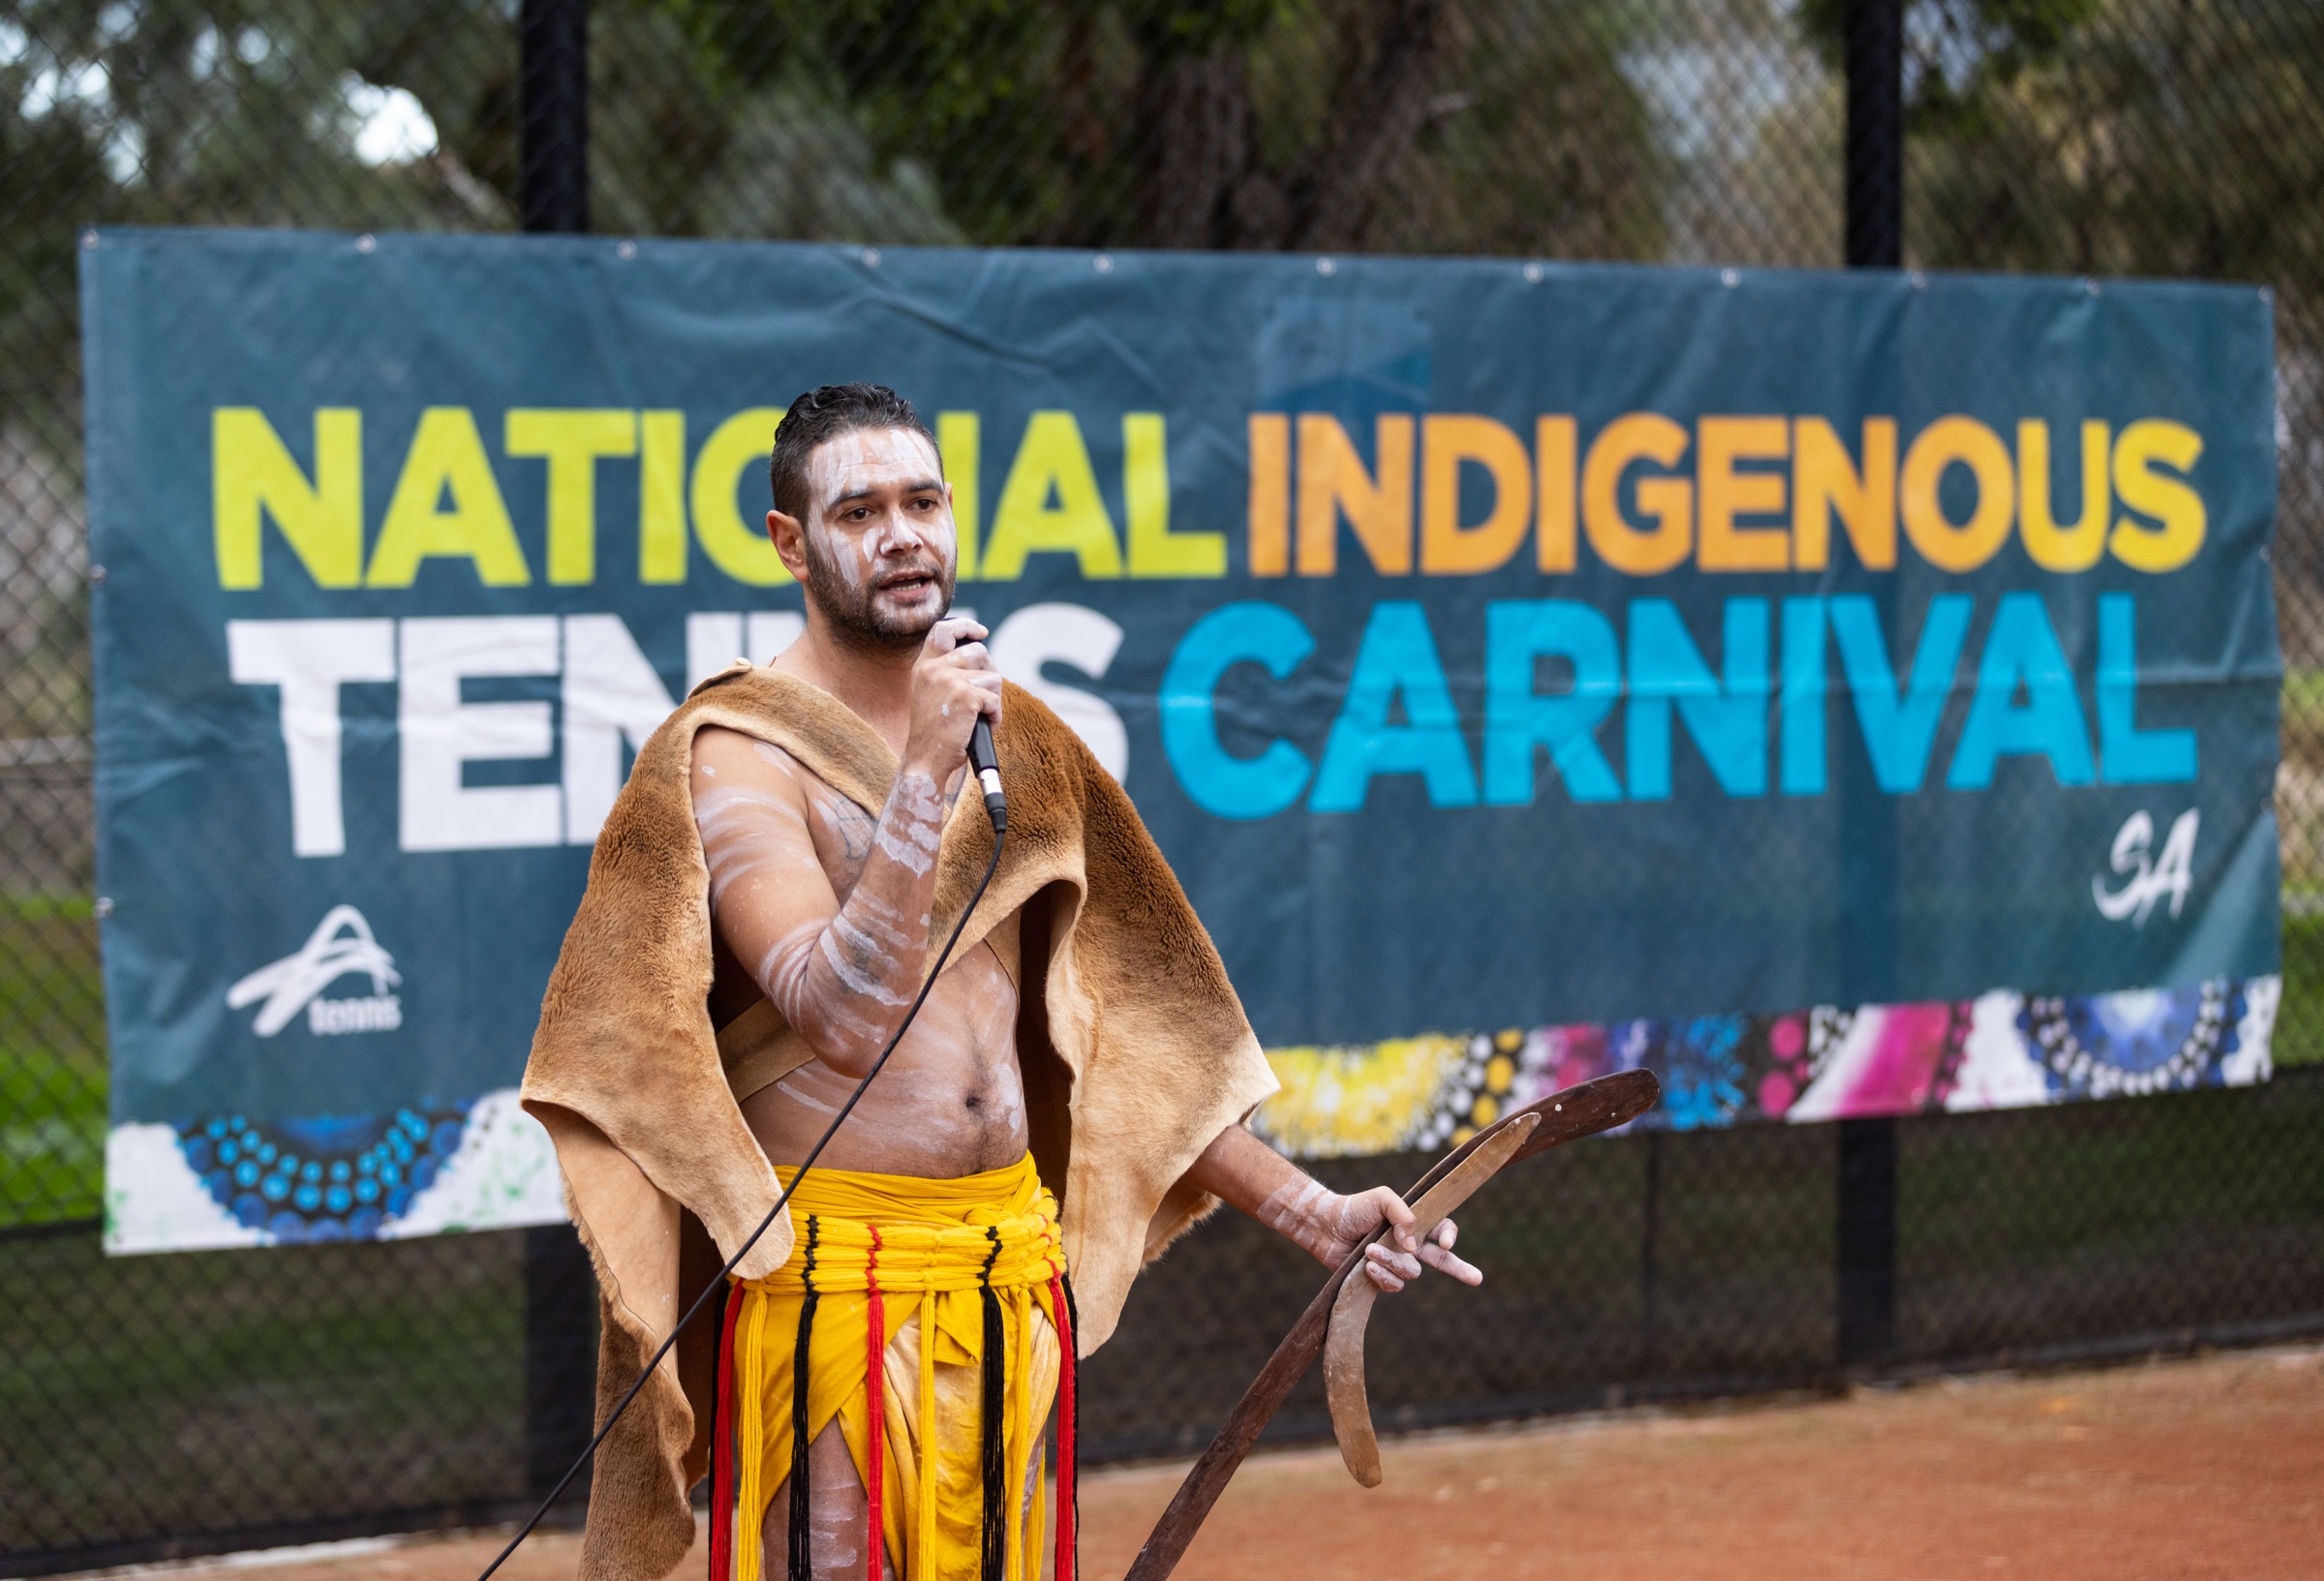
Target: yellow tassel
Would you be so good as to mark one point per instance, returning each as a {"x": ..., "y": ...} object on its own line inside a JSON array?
[
  {"x": 1020, "y": 1429},
  {"x": 924, "y": 1552},
  {"x": 1037, "y": 1532},
  {"x": 749, "y": 1504}
]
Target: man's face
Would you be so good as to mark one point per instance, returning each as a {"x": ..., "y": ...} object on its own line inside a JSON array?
[{"x": 879, "y": 542}]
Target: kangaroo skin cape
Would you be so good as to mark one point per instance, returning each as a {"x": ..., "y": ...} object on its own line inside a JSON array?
[{"x": 1134, "y": 1050}]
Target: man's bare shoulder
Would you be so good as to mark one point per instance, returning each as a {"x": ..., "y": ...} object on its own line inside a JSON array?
[
  {"x": 728, "y": 763},
  {"x": 741, "y": 782}
]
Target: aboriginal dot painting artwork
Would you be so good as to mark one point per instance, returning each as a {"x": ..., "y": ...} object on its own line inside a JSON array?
[
  {"x": 321, "y": 1180},
  {"x": 243, "y": 1179},
  {"x": 2000, "y": 1050},
  {"x": 450, "y": 1163}
]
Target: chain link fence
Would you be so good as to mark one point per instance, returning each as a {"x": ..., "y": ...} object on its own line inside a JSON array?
[{"x": 201, "y": 1401}]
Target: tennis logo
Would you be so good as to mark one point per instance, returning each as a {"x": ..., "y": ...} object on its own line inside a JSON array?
[{"x": 341, "y": 946}]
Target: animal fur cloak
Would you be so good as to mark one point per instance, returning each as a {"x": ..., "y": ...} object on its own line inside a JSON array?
[{"x": 1135, "y": 1051}]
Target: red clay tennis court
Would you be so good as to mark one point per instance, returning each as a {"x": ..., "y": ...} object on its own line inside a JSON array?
[{"x": 2170, "y": 1470}]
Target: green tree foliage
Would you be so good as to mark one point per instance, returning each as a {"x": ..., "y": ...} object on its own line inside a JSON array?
[
  {"x": 2158, "y": 138},
  {"x": 683, "y": 142},
  {"x": 1501, "y": 125},
  {"x": 226, "y": 112},
  {"x": 2174, "y": 138},
  {"x": 194, "y": 112}
]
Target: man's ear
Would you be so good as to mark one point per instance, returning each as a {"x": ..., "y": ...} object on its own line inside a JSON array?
[
  {"x": 790, "y": 543},
  {"x": 952, "y": 518}
]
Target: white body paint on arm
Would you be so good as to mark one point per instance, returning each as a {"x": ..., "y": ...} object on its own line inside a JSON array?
[
  {"x": 841, "y": 972},
  {"x": 1253, "y": 1177}
]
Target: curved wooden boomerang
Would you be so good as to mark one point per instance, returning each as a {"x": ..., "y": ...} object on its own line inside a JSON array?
[
  {"x": 1578, "y": 1112},
  {"x": 1351, "y": 1312}
]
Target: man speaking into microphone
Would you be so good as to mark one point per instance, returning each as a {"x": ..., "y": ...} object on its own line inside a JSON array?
[{"x": 764, "y": 905}]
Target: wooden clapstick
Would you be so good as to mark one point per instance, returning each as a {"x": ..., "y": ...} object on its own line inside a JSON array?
[
  {"x": 1351, "y": 1312},
  {"x": 1578, "y": 1112}
]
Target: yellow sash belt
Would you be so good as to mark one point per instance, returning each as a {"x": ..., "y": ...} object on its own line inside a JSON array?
[{"x": 873, "y": 1253}]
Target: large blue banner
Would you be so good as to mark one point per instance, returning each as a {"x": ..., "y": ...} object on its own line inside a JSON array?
[{"x": 1843, "y": 693}]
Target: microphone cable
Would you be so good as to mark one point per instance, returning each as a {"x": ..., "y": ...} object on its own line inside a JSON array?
[{"x": 986, "y": 771}]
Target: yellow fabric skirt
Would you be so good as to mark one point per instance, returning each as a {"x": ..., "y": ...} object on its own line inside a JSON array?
[{"x": 882, "y": 1262}]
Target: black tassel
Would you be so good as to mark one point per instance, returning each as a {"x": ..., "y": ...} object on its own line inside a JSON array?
[
  {"x": 1073, "y": 1314},
  {"x": 996, "y": 1382},
  {"x": 802, "y": 1560}
]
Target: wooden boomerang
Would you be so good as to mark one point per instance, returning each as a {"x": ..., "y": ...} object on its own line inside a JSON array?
[
  {"x": 1578, "y": 1112},
  {"x": 1351, "y": 1312}
]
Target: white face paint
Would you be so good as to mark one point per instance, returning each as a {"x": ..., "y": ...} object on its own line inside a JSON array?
[{"x": 872, "y": 526}]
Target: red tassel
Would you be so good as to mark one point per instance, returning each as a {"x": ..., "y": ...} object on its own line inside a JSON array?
[
  {"x": 1066, "y": 1369},
  {"x": 875, "y": 1373},
  {"x": 721, "y": 1449}
]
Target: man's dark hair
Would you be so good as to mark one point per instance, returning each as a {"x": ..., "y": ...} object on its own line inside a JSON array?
[{"x": 825, "y": 413}]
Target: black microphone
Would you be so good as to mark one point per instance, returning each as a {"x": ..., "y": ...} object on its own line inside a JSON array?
[{"x": 982, "y": 758}]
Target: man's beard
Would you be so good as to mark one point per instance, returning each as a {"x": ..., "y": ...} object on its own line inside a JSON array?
[{"x": 852, "y": 607}]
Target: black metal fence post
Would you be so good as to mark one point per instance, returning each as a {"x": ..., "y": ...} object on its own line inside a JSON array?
[
  {"x": 560, "y": 1361},
  {"x": 1875, "y": 48},
  {"x": 559, "y": 1290},
  {"x": 1867, "y": 1237},
  {"x": 1650, "y": 1258},
  {"x": 1866, "y": 1286},
  {"x": 553, "y": 38}
]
